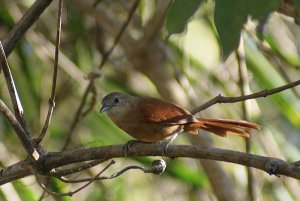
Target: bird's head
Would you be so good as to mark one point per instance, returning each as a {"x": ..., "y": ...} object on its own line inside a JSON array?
[{"x": 115, "y": 102}]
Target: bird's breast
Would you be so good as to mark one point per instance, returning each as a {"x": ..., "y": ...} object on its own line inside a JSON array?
[{"x": 148, "y": 132}]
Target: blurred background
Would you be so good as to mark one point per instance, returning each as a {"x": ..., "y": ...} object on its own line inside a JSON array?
[{"x": 187, "y": 68}]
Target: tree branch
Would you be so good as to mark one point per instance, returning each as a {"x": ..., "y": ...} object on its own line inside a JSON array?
[
  {"x": 26, "y": 141},
  {"x": 120, "y": 32},
  {"x": 18, "y": 108},
  {"x": 72, "y": 170},
  {"x": 222, "y": 99},
  {"x": 244, "y": 85},
  {"x": 157, "y": 167},
  {"x": 17, "y": 121},
  {"x": 54, "y": 78},
  {"x": 15, "y": 172},
  {"x": 71, "y": 193},
  {"x": 24, "y": 24},
  {"x": 273, "y": 166},
  {"x": 268, "y": 164}
]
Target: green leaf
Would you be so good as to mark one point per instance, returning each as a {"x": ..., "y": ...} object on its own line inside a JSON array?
[
  {"x": 260, "y": 9},
  {"x": 179, "y": 14},
  {"x": 231, "y": 15},
  {"x": 229, "y": 18}
]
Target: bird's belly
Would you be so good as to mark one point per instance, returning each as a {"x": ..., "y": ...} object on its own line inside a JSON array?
[{"x": 150, "y": 132}]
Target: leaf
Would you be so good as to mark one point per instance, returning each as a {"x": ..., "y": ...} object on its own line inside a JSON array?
[
  {"x": 229, "y": 19},
  {"x": 179, "y": 14},
  {"x": 260, "y": 9},
  {"x": 231, "y": 15}
]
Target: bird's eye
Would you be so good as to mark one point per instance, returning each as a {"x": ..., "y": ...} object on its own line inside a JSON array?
[{"x": 116, "y": 100}]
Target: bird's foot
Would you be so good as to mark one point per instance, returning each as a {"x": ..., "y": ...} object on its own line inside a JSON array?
[
  {"x": 127, "y": 146},
  {"x": 165, "y": 144},
  {"x": 163, "y": 147}
]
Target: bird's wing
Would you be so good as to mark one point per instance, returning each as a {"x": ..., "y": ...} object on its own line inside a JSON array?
[{"x": 155, "y": 110}]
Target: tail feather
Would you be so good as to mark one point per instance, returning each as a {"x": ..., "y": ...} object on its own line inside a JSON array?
[{"x": 222, "y": 127}]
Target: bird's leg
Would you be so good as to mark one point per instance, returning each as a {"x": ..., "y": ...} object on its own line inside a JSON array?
[
  {"x": 129, "y": 144},
  {"x": 165, "y": 144}
]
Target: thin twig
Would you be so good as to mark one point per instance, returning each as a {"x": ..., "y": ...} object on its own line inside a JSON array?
[
  {"x": 252, "y": 190},
  {"x": 157, "y": 167},
  {"x": 79, "y": 113},
  {"x": 93, "y": 100},
  {"x": 106, "y": 55},
  {"x": 131, "y": 167},
  {"x": 26, "y": 141},
  {"x": 222, "y": 99},
  {"x": 54, "y": 79},
  {"x": 17, "y": 121},
  {"x": 18, "y": 108},
  {"x": 97, "y": 175},
  {"x": 63, "y": 172},
  {"x": 71, "y": 193},
  {"x": 122, "y": 30},
  {"x": 27, "y": 20}
]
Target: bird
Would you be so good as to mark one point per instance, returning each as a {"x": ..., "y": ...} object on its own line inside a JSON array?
[{"x": 148, "y": 119}]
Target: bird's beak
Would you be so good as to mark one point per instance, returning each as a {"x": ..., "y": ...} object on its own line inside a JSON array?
[{"x": 105, "y": 108}]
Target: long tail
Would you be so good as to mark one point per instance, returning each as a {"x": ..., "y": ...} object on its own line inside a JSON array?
[{"x": 222, "y": 127}]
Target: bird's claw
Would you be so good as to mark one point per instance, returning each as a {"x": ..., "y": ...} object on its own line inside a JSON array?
[
  {"x": 127, "y": 146},
  {"x": 164, "y": 146}
]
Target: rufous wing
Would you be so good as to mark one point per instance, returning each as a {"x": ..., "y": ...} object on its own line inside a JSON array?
[{"x": 156, "y": 111}]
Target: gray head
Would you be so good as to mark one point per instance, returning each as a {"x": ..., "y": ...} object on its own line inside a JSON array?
[{"x": 114, "y": 100}]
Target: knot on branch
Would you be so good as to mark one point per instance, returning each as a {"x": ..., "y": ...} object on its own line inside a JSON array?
[
  {"x": 94, "y": 75},
  {"x": 51, "y": 103},
  {"x": 40, "y": 165},
  {"x": 297, "y": 163},
  {"x": 157, "y": 167},
  {"x": 272, "y": 166}
]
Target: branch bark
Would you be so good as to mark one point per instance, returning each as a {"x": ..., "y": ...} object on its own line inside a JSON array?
[{"x": 272, "y": 166}]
